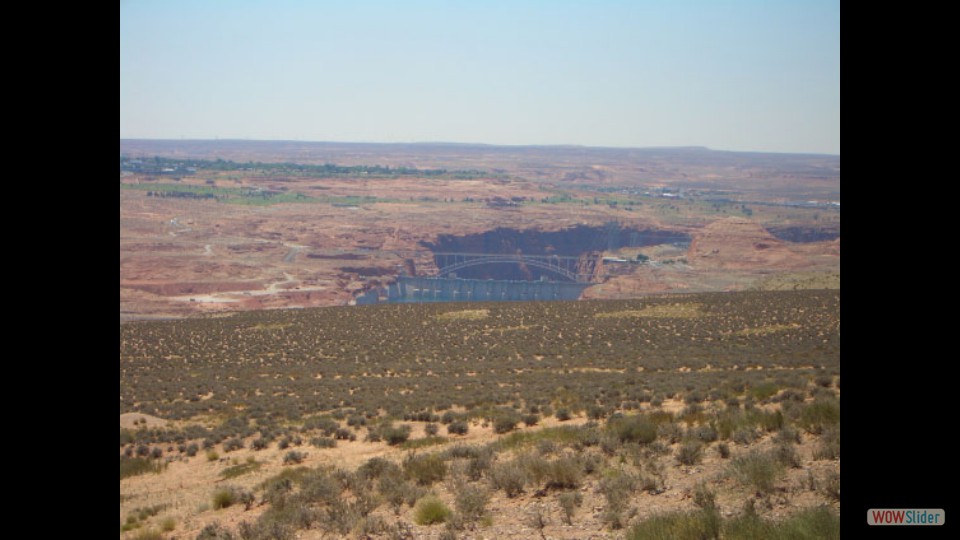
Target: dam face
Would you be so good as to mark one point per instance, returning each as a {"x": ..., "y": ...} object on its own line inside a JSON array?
[
  {"x": 525, "y": 280},
  {"x": 417, "y": 289}
]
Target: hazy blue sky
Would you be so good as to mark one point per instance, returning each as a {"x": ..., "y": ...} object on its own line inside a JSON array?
[{"x": 733, "y": 75}]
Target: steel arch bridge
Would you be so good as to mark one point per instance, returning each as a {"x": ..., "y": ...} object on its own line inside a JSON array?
[{"x": 577, "y": 269}]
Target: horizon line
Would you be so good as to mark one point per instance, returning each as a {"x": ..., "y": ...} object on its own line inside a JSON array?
[{"x": 453, "y": 143}]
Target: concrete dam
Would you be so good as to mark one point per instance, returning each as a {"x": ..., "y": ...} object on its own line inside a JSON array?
[
  {"x": 510, "y": 265},
  {"x": 417, "y": 289}
]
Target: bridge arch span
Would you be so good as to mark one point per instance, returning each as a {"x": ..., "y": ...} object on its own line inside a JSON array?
[
  {"x": 566, "y": 274},
  {"x": 567, "y": 268}
]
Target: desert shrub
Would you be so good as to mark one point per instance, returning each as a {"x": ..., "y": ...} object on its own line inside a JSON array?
[
  {"x": 790, "y": 395},
  {"x": 613, "y": 517},
  {"x": 316, "y": 486},
  {"x": 829, "y": 445},
  {"x": 591, "y": 462},
  {"x": 215, "y": 531},
  {"x": 323, "y": 423},
  {"x": 704, "y": 497},
  {"x": 564, "y": 473},
  {"x": 344, "y": 434},
  {"x": 156, "y": 452},
  {"x": 143, "y": 450},
  {"x": 787, "y": 455},
  {"x": 563, "y": 414},
  {"x": 692, "y": 414},
  {"x": 617, "y": 487},
  {"x": 424, "y": 442},
  {"x": 597, "y": 412},
  {"x": 470, "y": 501},
  {"x": 573, "y": 436},
  {"x": 704, "y": 433},
  {"x": 463, "y": 451},
  {"x": 536, "y": 467},
  {"x": 259, "y": 444},
  {"x": 396, "y": 491},
  {"x": 424, "y": 469},
  {"x": 823, "y": 380},
  {"x": 338, "y": 517},
  {"x": 126, "y": 437},
  {"x": 610, "y": 444},
  {"x": 430, "y": 510},
  {"x": 278, "y": 488},
  {"x": 505, "y": 423},
  {"x": 771, "y": 421},
  {"x": 240, "y": 469},
  {"x": 701, "y": 524},
  {"x": 431, "y": 429},
  {"x": 760, "y": 470},
  {"x": 395, "y": 435},
  {"x": 265, "y": 528},
  {"x": 458, "y": 427},
  {"x": 537, "y": 518},
  {"x": 747, "y": 421},
  {"x": 294, "y": 457},
  {"x": 212, "y": 455},
  {"x": 763, "y": 391},
  {"x": 831, "y": 486},
  {"x": 378, "y": 467},
  {"x": 133, "y": 466},
  {"x": 546, "y": 447},
  {"x": 531, "y": 419},
  {"x": 246, "y": 498},
  {"x": 637, "y": 428},
  {"x": 671, "y": 432},
  {"x": 810, "y": 523},
  {"x": 323, "y": 442},
  {"x": 281, "y": 522},
  {"x": 192, "y": 449},
  {"x": 569, "y": 502},
  {"x": 690, "y": 453},
  {"x": 788, "y": 435},
  {"x": 745, "y": 436},
  {"x": 511, "y": 477},
  {"x": 144, "y": 513},
  {"x": 230, "y": 445},
  {"x": 371, "y": 526},
  {"x": 225, "y": 497},
  {"x": 817, "y": 416},
  {"x": 478, "y": 465},
  {"x": 723, "y": 450}
]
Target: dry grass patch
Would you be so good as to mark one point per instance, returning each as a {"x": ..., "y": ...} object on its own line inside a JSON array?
[
  {"x": 767, "y": 329},
  {"x": 464, "y": 315},
  {"x": 688, "y": 310}
]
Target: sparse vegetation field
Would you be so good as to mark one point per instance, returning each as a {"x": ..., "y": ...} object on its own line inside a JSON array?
[{"x": 705, "y": 414}]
